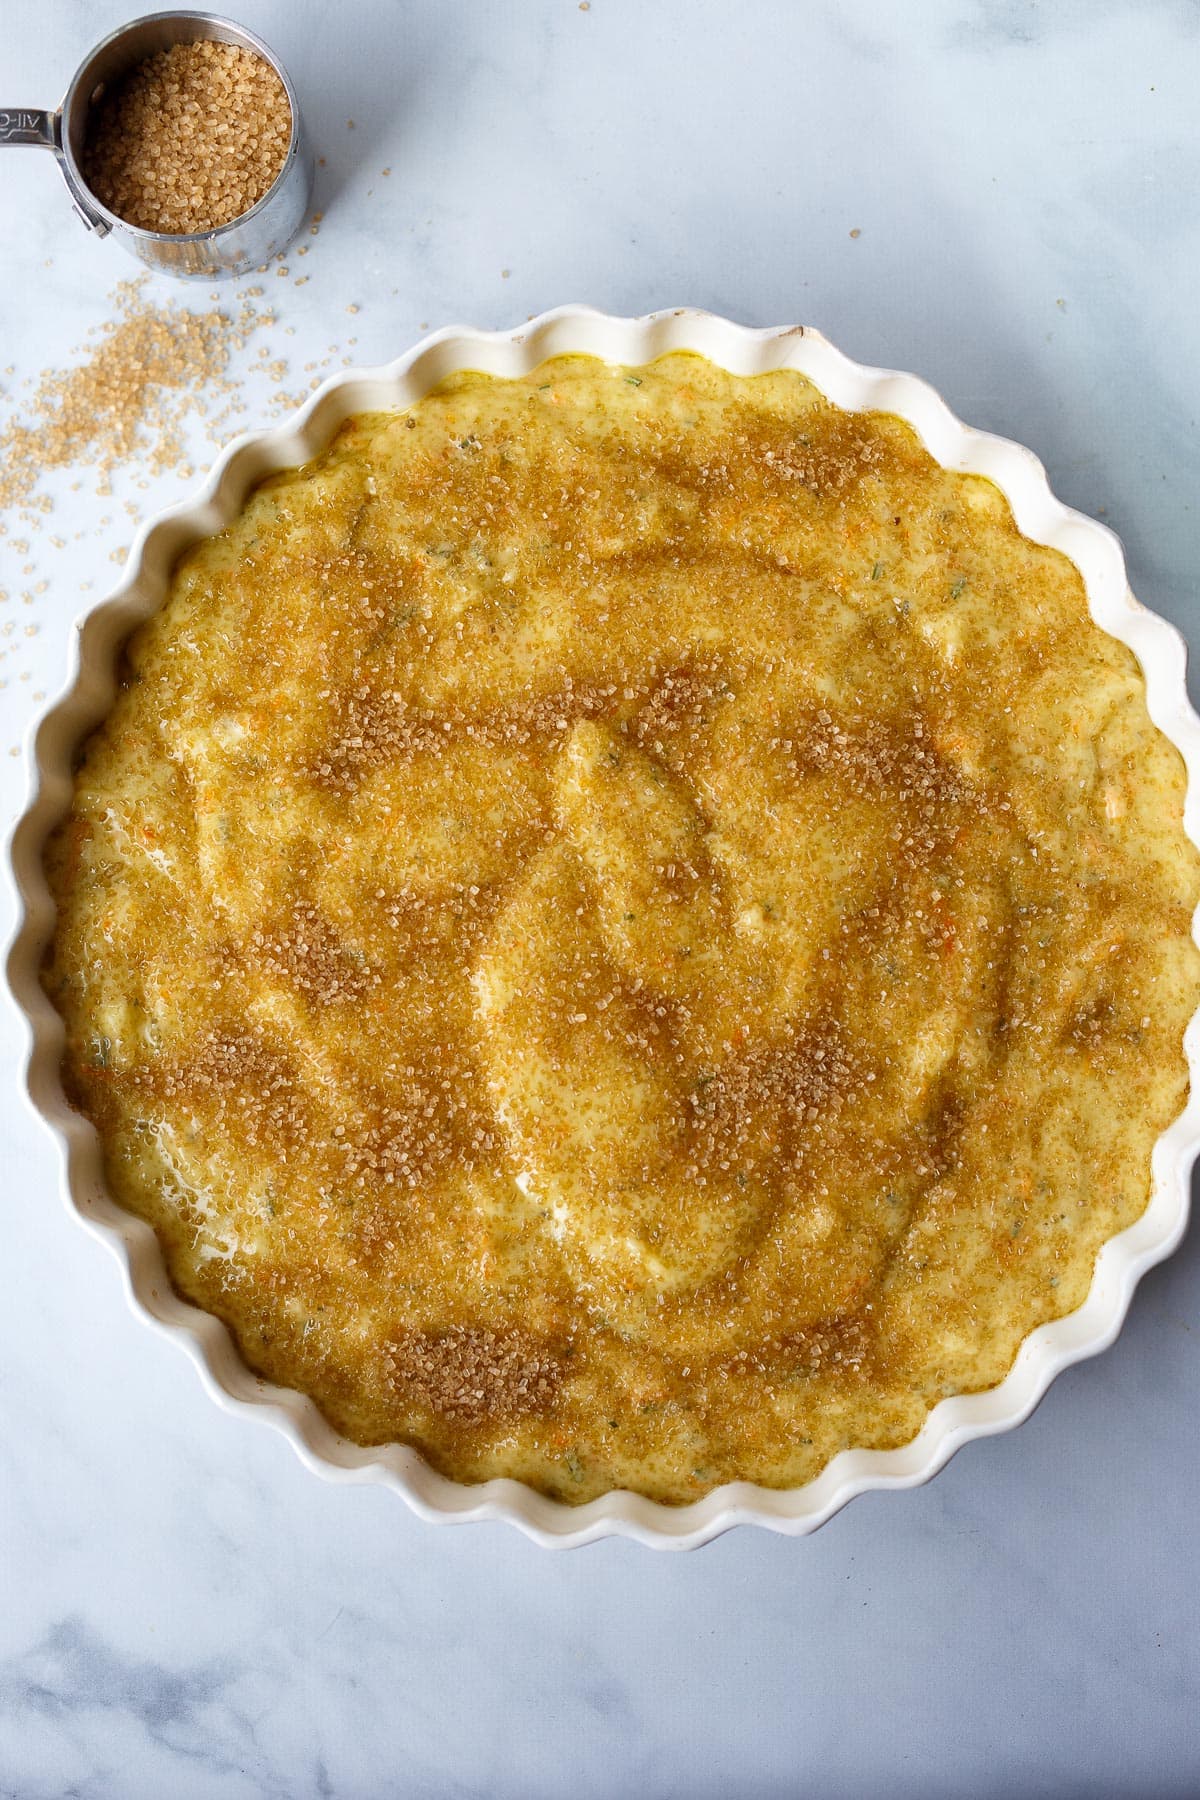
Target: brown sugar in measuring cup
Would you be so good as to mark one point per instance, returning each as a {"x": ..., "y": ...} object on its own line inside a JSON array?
[
  {"x": 180, "y": 135},
  {"x": 190, "y": 139}
]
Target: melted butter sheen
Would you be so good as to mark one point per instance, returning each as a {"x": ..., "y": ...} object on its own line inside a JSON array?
[{"x": 626, "y": 929}]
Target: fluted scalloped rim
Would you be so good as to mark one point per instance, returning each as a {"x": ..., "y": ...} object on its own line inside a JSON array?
[{"x": 88, "y": 695}]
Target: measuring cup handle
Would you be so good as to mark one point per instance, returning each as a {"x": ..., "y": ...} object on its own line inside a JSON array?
[{"x": 28, "y": 125}]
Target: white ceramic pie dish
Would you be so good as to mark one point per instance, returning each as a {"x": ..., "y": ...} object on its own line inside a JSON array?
[{"x": 88, "y": 695}]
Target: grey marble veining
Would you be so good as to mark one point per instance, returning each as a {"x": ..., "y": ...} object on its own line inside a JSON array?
[{"x": 186, "y": 1611}]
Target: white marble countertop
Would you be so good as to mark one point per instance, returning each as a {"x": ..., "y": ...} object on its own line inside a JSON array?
[{"x": 187, "y": 1612}]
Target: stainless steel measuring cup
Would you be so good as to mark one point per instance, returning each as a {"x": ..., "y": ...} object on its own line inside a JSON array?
[{"x": 233, "y": 249}]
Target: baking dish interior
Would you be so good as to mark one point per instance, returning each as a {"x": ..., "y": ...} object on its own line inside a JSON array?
[{"x": 89, "y": 695}]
